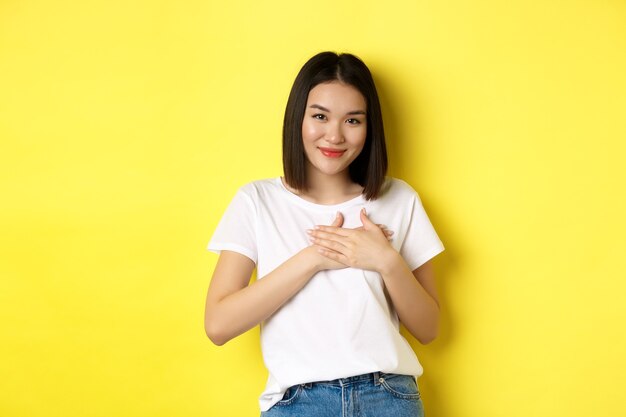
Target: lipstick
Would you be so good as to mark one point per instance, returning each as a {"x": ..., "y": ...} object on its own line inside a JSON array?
[{"x": 332, "y": 153}]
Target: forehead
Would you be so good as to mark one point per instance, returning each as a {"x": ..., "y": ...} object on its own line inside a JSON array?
[{"x": 337, "y": 94}]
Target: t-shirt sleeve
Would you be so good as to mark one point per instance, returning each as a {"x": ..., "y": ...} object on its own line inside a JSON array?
[
  {"x": 236, "y": 230},
  {"x": 421, "y": 242}
]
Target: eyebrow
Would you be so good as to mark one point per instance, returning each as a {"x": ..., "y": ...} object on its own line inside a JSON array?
[{"x": 322, "y": 108}]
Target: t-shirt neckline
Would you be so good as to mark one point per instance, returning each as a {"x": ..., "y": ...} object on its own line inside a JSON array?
[{"x": 306, "y": 203}]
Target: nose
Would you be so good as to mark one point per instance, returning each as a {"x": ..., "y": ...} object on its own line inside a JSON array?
[{"x": 334, "y": 134}]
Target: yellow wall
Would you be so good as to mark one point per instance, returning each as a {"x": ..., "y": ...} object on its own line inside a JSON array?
[{"x": 126, "y": 127}]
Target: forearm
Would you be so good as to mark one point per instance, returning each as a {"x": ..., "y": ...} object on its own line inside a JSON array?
[
  {"x": 246, "y": 308},
  {"x": 416, "y": 308}
]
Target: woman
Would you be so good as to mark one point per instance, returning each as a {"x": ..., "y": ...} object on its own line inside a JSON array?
[{"x": 342, "y": 256}]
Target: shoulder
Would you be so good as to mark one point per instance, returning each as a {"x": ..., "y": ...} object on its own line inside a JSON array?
[
  {"x": 259, "y": 185},
  {"x": 260, "y": 189},
  {"x": 396, "y": 188}
]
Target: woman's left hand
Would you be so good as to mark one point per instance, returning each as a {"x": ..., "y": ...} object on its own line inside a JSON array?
[{"x": 365, "y": 247}]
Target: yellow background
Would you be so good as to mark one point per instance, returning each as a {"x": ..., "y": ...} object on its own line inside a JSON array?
[{"x": 127, "y": 126}]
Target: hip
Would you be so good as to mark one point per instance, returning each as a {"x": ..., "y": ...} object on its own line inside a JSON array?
[{"x": 376, "y": 394}]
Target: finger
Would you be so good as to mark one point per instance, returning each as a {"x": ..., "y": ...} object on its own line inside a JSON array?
[
  {"x": 335, "y": 256},
  {"x": 338, "y": 222},
  {"x": 384, "y": 229},
  {"x": 329, "y": 244},
  {"x": 330, "y": 237},
  {"x": 367, "y": 223},
  {"x": 331, "y": 229},
  {"x": 387, "y": 232}
]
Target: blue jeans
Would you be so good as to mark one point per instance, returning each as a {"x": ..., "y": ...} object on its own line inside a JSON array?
[{"x": 370, "y": 395}]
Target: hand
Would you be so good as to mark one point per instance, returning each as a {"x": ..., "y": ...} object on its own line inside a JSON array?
[
  {"x": 323, "y": 262},
  {"x": 366, "y": 247}
]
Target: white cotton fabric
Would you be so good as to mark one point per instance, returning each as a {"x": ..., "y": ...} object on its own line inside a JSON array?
[{"x": 341, "y": 323}]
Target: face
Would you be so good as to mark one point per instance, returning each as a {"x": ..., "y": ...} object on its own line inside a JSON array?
[{"x": 334, "y": 128}]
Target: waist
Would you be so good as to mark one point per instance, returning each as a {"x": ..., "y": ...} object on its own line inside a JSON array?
[{"x": 373, "y": 377}]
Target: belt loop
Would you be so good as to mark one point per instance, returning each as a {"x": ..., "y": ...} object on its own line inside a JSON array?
[{"x": 376, "y": 379}]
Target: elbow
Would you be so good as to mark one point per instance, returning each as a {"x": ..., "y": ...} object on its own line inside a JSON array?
[
  {"x": 429, "y": 330},
  {"x": 427, "y": 338},
  {"x": 214, "y": 333}
]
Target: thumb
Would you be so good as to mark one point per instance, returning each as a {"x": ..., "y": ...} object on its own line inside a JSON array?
[
  {"x": 338, "y": 222},
  {"x": 367, "y": 223}
]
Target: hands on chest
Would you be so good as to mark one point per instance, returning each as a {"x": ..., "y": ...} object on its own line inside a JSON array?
[{"x": 366, "y": 247}]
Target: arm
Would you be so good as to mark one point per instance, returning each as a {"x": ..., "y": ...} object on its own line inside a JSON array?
[
  {"x": 414, "y": 296},
  {"x": 233, "y": 307}
]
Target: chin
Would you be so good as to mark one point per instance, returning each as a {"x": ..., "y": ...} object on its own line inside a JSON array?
[
  {"x": 331, "y": 171},
  {"x": 329, "y": 167}
]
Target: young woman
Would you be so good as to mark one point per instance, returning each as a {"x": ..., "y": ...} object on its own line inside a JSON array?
[{"x": 342, "y": 254}]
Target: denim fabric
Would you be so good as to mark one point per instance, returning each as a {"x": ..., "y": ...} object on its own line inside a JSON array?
[{"x": 371, "y": 395}]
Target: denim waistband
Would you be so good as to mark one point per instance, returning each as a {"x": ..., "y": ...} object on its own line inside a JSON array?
[{"x": 375, "y": 377}]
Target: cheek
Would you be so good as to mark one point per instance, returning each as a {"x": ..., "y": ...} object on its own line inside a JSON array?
[
  {"x": 310, "y": 131},
  {"x": 358, "y": 137}
]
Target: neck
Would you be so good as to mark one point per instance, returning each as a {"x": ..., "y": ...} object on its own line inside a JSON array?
[{"x": 330, "y": 189}]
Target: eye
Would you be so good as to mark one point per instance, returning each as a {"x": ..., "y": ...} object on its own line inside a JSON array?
[
  {"x": 353, "y": 121},
  {"x": 319, "y": 116}
]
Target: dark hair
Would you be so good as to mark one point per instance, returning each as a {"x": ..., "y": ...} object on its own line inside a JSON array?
[{"x": 369, "y": 168}]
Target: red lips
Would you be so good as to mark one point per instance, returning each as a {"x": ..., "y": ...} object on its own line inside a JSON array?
[{"x": 332, "y": 153}]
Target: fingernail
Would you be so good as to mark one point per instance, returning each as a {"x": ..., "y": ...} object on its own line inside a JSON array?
[{"x": 309, "y": 231}]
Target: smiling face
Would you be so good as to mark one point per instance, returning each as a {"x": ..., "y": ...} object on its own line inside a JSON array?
[{"x": 334, "y": 128}]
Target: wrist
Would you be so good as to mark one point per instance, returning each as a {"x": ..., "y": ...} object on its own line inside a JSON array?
[
  {"x": 390, "y": 260},
  {"x": 310, "y": 259}
]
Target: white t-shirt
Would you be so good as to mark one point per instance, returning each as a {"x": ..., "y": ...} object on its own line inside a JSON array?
[{"x": 341, "y": 323}]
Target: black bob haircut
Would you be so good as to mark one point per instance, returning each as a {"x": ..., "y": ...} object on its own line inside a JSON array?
[{"x": 370, "y": 167}]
